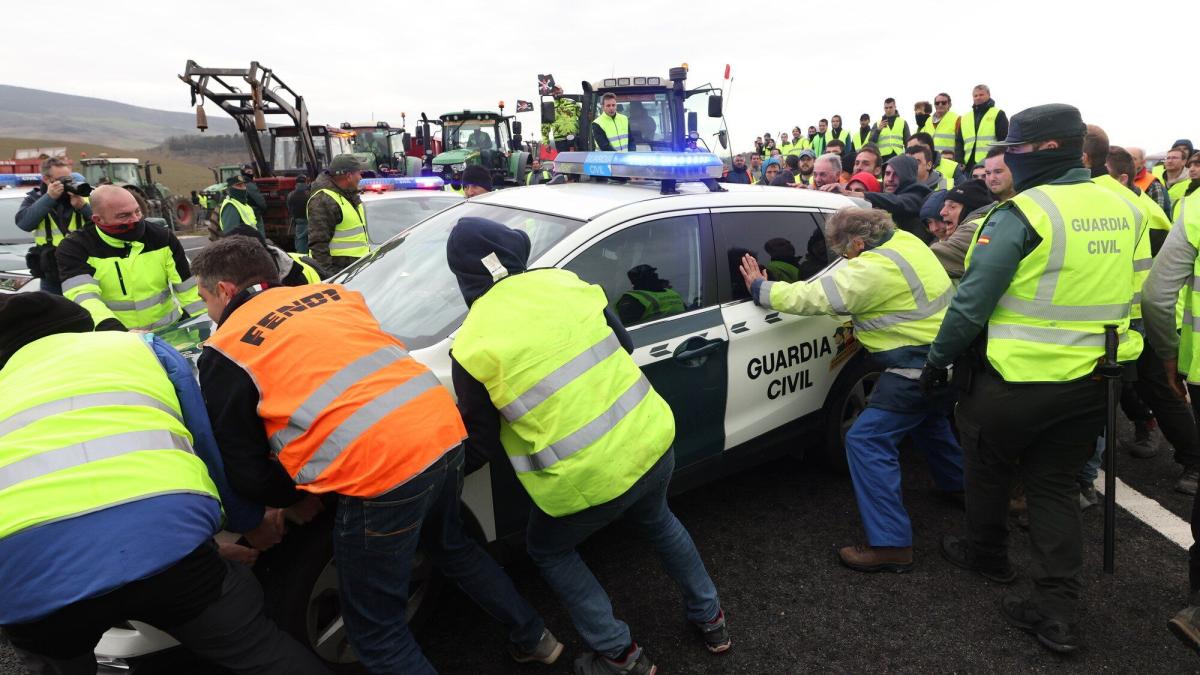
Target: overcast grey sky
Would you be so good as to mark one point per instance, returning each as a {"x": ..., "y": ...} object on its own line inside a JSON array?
[{"x": 792, "y": 62}]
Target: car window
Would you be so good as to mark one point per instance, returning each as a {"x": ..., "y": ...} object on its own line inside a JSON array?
[
  {"x": 649, "y": 270},
  {"x": 790, "y": 246},
  {"x": 409, "y": 286},
  {"x": 387, "y": 217},
  {"x": 9, "y": 232}
]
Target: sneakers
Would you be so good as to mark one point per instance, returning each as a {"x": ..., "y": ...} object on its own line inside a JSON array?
[
  {"x": 634, "y": 662},
  {"x": 716, "y": 634},
  {"x": 1087, "y": 496},
  {"x": 863, "y": 558},
  {"x": 547, "y": 651},
  {"x": 1187, "y": 480},
  {"x": 1145, "y": 440},
  {"x": 957, "y": 551},
  {"x": 1185, "y": 625},
  {"x": 1055, "y": 635}
]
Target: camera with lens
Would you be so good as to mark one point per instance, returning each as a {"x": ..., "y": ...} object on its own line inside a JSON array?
[{"x": 77, "y": 188}]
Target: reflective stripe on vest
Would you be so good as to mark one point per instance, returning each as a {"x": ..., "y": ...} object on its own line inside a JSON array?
[
  {"x": 138, "y": 288},
  {"x": 977, "y": 142},
  {"x": 580, "y": 423},
  {"x": 1049, "y": 324},
  {"x": 891, "y": 137},
  {"x": 905, "y": 264},
  {"x": 616, "y": 128},
  {"x": 357, "y": 420},
  {"x": 310, "y": 273},
  {"x": 56, "y": 235},
  {"x": 943, "y": 132},
  {"x": 349, "y": 236},
  {"x": 245, "y": 212},
  {"x": 79, "y": 434}
]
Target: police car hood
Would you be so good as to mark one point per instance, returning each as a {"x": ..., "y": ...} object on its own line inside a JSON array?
[{"x": 12, "y": 257}]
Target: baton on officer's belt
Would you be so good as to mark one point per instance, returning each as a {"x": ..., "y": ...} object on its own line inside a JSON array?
[{"x": 1110, "y": 370}]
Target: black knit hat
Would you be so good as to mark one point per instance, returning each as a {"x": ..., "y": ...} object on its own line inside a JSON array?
[
  {"x": 478, "y": 176},
  {"x": 972, "y": 194},
  {"x": 25, "y": 317}
]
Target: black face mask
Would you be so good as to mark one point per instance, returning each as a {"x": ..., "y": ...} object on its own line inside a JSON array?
[
  {"x": 921, "y": 119},
  {"x": 238, "y": 194},
  {"x": 1031, "y": 169},
  {"x": 125, "y": 231}
]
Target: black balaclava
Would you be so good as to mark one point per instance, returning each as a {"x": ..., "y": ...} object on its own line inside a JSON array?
[
  {"x": 922, "y": 118},
  {"x": 1030, "y": 169}
]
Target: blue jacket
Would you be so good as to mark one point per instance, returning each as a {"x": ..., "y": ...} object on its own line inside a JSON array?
[{"x": 45, "y": 568}]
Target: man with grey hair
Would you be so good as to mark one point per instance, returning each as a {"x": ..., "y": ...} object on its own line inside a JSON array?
[
  {"x": 980, "y": 128},
  {"x": 1147, "y": 182},
  {"x": 827, "y": 170},
  {"x": 896, "y": 293},
  {"x": 50, "y": 211}
]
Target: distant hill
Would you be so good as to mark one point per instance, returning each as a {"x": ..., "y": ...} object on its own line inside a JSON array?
[
  {"x": 34, "y": 113},
  {"x": 179, "y": 176}
]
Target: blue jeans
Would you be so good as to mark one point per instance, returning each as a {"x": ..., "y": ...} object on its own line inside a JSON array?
[
  {"x": 552, "y": 541},
  {"x": 1091, "y": 471},
  {"x": 374, "y": 544},
  {"x": 873, "y": 452},
  {"x": 301, "y": 234}
]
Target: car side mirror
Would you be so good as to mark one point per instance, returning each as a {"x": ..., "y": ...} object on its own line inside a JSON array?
[
  {"x": 548, "y": 112},
  {"x": 715, "y": 102}
]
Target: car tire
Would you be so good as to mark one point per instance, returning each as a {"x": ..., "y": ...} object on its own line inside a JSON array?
[
  {"x": 847, "y": 399},
  {"x": 300, "y": 583}
]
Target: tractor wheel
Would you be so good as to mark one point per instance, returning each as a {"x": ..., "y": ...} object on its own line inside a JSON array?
[{"x": 184, "y": 212}]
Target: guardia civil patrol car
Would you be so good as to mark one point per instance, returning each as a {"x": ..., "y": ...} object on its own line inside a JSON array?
[
  {"x": 15, "y": 242},
  {"x": 663, "y": 240}
]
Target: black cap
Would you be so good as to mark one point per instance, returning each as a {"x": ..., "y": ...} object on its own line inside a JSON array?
[
  {"x": 235, "y": 180},
  {"x": 1042, "y": 123},
  {"x": 478, "y": 176}
]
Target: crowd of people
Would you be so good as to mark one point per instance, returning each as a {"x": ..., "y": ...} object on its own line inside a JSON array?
[
  {"x": 964, "y": 268},
  {"x": 992, "y": 266}
]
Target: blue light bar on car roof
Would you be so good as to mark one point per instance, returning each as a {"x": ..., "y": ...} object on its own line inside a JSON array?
[
  {"x": 15, "y": 179},
  {"x": 680, "y": 166},
  {"x": 400, "y": 183}
]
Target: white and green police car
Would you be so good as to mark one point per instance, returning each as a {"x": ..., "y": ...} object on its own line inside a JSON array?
[{"x": 745, "y": 384}]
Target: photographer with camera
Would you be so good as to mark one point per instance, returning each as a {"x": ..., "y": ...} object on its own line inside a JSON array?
[{"x": 51, "y": 211}]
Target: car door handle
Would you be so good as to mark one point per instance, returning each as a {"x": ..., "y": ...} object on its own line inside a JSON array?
[{"x": 688, "y": 351}]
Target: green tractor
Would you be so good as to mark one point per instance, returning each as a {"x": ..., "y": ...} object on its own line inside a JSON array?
[
  {"x": 136, "y": 176},
  {"x": 383, "y": 149},
  {"x": 482, "y": 137},
  {"x": 215, "y": 193}
]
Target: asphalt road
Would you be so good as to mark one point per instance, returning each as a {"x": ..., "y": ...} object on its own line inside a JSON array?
[
  {"x": 192, "y": 244},
  {"x": 768, "y": 538}
]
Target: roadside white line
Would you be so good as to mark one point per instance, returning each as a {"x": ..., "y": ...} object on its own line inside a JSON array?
[{"x": 1150, "y": 512}]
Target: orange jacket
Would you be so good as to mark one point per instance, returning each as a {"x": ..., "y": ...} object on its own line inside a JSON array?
[{"x": 346, "y": 409}]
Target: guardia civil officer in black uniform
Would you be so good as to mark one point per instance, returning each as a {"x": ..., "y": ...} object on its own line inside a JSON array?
[{"x": 1049, "y": 268}]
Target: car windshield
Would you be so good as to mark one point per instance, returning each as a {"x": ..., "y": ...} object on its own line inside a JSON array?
[
  {"x": 388, "y": 217},
  {"x": 478, "y": 135},
  {"x": 649, "y": 118},
  {"x": 9, "y": 232},
  {"x": 408, "y": 285}
]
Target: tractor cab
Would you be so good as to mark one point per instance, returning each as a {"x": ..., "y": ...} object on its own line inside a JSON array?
[
  {"x": 663, "y": 113},
  {"x": 287, "y": 151},
  {"x": 387, "y": 151},
  {"x": 487, "y": 138},
  {"x": 112, "y": 171}
]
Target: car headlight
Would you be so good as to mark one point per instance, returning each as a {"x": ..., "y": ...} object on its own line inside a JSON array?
[{"x": 459, "y": 167}]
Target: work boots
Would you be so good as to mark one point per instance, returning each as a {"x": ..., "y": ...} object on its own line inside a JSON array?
[
  {"x": 864, "y": 558},
  {"x": 1145, "y": 439}
]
